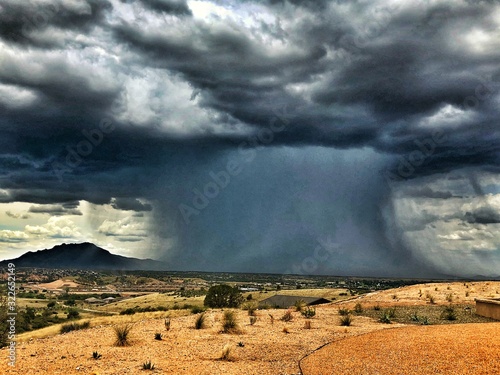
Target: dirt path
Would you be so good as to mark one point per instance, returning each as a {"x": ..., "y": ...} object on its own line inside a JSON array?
[{"x": 459, "y": 349}]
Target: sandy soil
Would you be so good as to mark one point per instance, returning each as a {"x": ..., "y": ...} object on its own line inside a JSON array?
[
  {"x": 463, "y": 349},
  {"x": 58, "y": 284},
  {"x": 267, "y": 349}
]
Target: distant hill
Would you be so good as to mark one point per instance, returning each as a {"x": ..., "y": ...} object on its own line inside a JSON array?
[{"x": 82, "y": 256}]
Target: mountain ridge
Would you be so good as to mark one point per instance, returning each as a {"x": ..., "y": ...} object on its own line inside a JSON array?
[{"x": 84, "y": 255}]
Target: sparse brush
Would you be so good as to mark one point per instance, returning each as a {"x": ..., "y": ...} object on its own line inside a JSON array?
[
  {"x": 307, "y": 324},
  {"x": 432, "y": 300},
  {"x": 467, "y": 294},
  {"x": 449, "y": 297},
  {"x": 167, "y": 324},
  {"x": 229, "y": 323},
  {"x": 226, "y": 352},
  {"x": 436, "y": 289},
  {"x": 449, "y": 313},
  {"x": 158, "y": 336},
  {"x": 121, "y": 334},
  {"x": 415, "y": 317},
  {"x": 96, "y": 355},
  {"x": 394, "y": 296},
  {"x": 199, "y": 323},
  {"x": 358, "y": 308},
  {"x": 299, "y": 305},
  {"x": 148, "y": 366},
  {"x": 65, "y": 328},
  {"x": 287, "y": 316},
  {"x": 376, "y": 307},
  {"x": 271, "y": 317},
  {"x": 253, "y": 320},
  {"x": 285, "y": 330},
  {"x": 344, "y": 312},
  {"x": 346, "y": 320},
  {"x": 387, "y": 315},
  {"x": 425, "y": 321},
  {"x": 241, "y": 344},
  {"x": 251, "y": 307},
  {"x": 309, "y": 312}
]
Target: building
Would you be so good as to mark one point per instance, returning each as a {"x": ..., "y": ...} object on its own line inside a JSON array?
[
  {"x": 489, "y": 308},
  {"x": 282, "y": 301}
]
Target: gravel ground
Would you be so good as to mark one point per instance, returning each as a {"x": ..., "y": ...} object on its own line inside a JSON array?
[{"x": 461, "y": 349}]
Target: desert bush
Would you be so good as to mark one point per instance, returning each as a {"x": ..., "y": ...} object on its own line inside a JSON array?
[
  {"x": 167, "y": 324},
  {"x": 432, "y": 300},
  {"x": 73, "y": 314},
  {"x": 307, "y": 324},
  {"x": 65, "y": 328},
  {"x": 223, "y": 296},
  {"x": 287, "y": 316},
  {"x": 199, "y": 323},
  {"x": 414, "y": 317},
  {"x": 51, "y": 304},
  {"x": 344, "y": 312},
  {"x": 96, "y": 355},
  {"x": 358, "y": 308},
  {"x": 299, "y": 305},
  {"x": 376, "y": 307},
  {"x": 449, "y": 297},
  {"x": 309, "y": 312},
  {"x": 251, "y": 307},
  {"x": 425, "y": 321},
  {"x": 229, "y": 322},
  {"x": 122, "y": 334},
  {"x": 226, "y": 353},
  {"x": 253, "y": 320},
  {"x": 449, "y": 313},
  {"x": 286, "y": 330},
  {"x": 387, "y": 315},
  {"x": 345, "y": 320},
  {"x": 148, "y": 365},
  {"x": 129, "y": 311},
  {"x": 271, "y": 318},
  {"x": 158, "y": 336},
  {"x": 467, "y": 294}
]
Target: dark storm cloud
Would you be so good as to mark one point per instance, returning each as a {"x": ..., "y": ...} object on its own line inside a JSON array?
[
  {"x": 68, "y": 208},
  {"x": 334, "y": 74},
  {"x": 483, "y": 215},
  {"x": 20, "y": 21},
  {"x": 178, "y": 7},
  {"x": 130, "y": 205}
]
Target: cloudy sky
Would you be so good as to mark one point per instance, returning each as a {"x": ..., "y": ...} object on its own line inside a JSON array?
[{"x": 328, "y": 137}]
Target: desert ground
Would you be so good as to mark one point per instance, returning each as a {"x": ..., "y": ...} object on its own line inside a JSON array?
[{"x": 265, "y": 347}]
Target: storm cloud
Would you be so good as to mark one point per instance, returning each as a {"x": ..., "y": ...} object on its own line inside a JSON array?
[{"x": 256, "y": 131}]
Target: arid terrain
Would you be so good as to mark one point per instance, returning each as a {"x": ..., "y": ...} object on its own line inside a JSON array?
[{"x": 264, "y": 348}]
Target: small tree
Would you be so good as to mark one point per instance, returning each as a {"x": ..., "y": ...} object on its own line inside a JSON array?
[{"x": 223, "y": 296}]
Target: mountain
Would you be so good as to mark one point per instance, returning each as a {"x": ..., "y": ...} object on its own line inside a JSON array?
[{"x": 82, "y": 256}]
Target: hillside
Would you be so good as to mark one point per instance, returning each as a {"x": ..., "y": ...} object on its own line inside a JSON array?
[{"x": 82, "y": 256}]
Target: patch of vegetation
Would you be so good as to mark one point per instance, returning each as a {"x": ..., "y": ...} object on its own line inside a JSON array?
[
  {"x": 167, "y": 324},
  {"x": 253, "y": 320},
  {"x": 96, "y": 355},
  {"x": 346, "y": 320},
  {"x": 358, "y": 308},
  {"x": 148, "y": 365},
  {"x": 122, "y": 334},
  {"x": 65, "y": 328},
  {"x": 307, "y": 324},
  {"x": 286, "y": 330},
  {"x": 299, "y": 305},
  {"x": 376, "y": 307},
  {"x": 229, "y": 322},
  {"x": 287, "y": 316},
  {"x": 344, "y": 311},
  {"x": 158, "y": 336},
  {"x": 199, "y": 323},
  {"x": 223, "y": 296},
  {"x": 309, "y": 312},
  {"x": 226, "y": 353},
  {"x": 73, "y": 314},
  {"x": 197, "y": 310},
  {"x": 449, "y": 313}
]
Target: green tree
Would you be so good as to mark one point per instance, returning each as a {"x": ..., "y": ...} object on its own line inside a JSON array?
[{"x": 223, "y": 296}]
